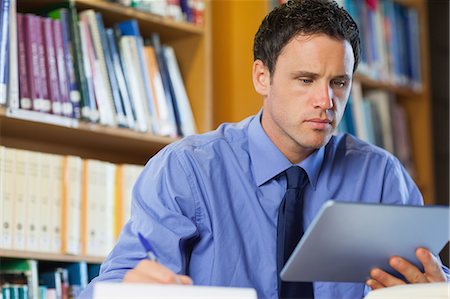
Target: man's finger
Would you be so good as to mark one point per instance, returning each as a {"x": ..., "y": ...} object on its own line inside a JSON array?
[
  {"x": 433, "y": 271},
  {"x": 157, "y": 272},
  {"x": 384, "y": 278},
  {"x": 183, "y": 279},
  {"x": 411, "y": 273},
  {"x": 373, "y": 284}
]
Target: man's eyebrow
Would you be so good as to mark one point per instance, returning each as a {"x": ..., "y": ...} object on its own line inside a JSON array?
[
  {"x": 344, "y": 77},
  {"x": 306, "y": 74}
]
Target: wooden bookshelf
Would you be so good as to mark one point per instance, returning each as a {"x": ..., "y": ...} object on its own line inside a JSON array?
[
  {"x": 235, "y": 98},
  {"x": 78, "y": 138},
  {"x": 56, "y": 257},
  {"x": 37, "y": 132}
]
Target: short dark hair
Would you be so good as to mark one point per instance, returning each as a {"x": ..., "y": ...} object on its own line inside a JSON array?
[{"x": 303, "y": 17}]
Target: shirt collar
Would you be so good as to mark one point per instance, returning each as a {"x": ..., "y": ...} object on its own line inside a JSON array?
[{"x": 268, "y": 161}]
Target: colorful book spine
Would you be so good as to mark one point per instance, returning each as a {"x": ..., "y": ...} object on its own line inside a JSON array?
[
  {"x": 51, "y": 67},
  {"x": 32, "y": 58},
  {"x": 62, "y": 73},
  {"x": 45, "y": 98},
  {"x": 187, "y": 122},
  {"x": 87, "y": 102},
  {"x": 87, "y": 60},
  {"x": 101, "y": 82},
  {"x": 25, "y": 101},
  {"x": 121, "y": 82},
  {"x": 168, "y": 87},
  {"x": 4, "y": 49},
  {"x": 13, "y": 68},
  {"x": 115, "y": 94}
]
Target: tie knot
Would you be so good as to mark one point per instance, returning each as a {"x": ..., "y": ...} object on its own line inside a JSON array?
[{"x": 296, "y": 177}]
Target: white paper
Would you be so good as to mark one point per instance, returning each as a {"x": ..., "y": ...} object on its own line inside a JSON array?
[{"x": 147, "y": 291}]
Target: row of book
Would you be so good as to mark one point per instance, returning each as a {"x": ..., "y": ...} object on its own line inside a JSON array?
[
  {"x": 31, "y": 279},
  {"x": 62, "y": 204},
  {"x": 390, "y": 47},
  {"x": 70, "y": 65},
  {"x": 390, "y": 35},
  {"x": 191, "y": 11},
  {"x": 376, "y": 117}
]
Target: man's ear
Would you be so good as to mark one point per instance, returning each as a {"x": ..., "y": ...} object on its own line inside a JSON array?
[{"x": 261, "y": 77}]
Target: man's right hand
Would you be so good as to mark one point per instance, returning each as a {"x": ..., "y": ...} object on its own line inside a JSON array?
[{"x": 152, "y": 272}]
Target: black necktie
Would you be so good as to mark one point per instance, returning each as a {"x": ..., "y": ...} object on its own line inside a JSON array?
[{"x": 290, "y": 231}]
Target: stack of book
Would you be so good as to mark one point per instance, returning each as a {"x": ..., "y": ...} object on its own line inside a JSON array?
[
  {"x": 376, "y": 117},
  {"x": 32, "y": 279},
  {"x": 69, "y": 65},
  {"x": 62, "y": 204},
  {"x": 191, "y": 11}
]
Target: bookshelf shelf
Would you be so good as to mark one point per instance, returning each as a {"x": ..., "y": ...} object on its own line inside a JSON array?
[
  {"x": 86, "y": 140},
  {"x": 4, "y": 253},
  {"x": 375, "y": 84}
]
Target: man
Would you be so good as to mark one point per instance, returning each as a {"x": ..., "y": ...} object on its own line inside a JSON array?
[{"x": 210, "y": 204}]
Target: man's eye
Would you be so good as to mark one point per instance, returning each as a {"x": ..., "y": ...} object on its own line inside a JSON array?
[
  {"x": 306, "y": 81},
  {"x": 339, "y": 83}
]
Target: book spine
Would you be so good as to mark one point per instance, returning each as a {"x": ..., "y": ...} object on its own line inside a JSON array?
[
  {"x": 7, "y": 175},
  {"x": 24, "y": 91},
  {"x": 132, "y": 81},
  {"x": 168, "y": 87},
  {"x": 119, "y": 110},
  {"x": 62, "y": 78},
  {"x": 68, "y": 46},
  {"x": 13, "y": 84},
  {"x": 52, "y": 74},
  {"x": 101, "y": 72},
  {"x": 45, "y": 99},
  {"x": 20, "y": 222},
  {"x": 4, "y": 47},
  {"x": 32, "y": 61},
  {"x": 87, "y": 103},
  {"x": 32, "y": 202},
  {"x": 187, "y": 122},
  {"x": 121, "y": 83},
  {"x": 45, "y": 185},
  {"x": 88, "y": 73}
]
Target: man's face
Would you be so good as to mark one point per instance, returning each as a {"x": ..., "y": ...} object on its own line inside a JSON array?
[{"x": 305, "y": 97}]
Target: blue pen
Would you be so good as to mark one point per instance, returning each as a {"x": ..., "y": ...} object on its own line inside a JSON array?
[{"x": 151, "y": 254}]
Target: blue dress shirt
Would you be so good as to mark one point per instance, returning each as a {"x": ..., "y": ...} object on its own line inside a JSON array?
[{"x": 208, "y": 204}]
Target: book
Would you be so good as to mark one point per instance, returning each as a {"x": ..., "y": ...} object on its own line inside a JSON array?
[
  {"x": 166, "y": 123},
  {"x": 20, "y": 218},
  {"x": 129, "y": 29},
  {"x": 187, "y": 122},
  {"x": 103, "y": 92},
  {"x": 25, "y": 101},
  {"x": 44, "y": 92},
  {"x": 118, "y": 73},
  {"x": 115, "y": 93},
  {"x": 13, "y": 72},
  {"x": 128, "y": 48},
  {"x": 4, "y": 49},
  {"x": 94, "y": 74},
  {"x": 167, "y": 84},
  {"x": 7, "y": 173},
  {"x": 67, "y": 107},
  {"x": 24, "y": 270},
  {"x": 51, "y": 67},
  {"x": 91, "y": 110},
  {"x": 71, "y": 205}
]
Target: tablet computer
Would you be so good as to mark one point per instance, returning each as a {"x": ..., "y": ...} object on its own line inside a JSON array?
[{"x": 346, "y": 240}]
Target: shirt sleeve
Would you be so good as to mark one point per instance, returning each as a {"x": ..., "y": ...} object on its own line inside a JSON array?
[
  {"x": 163, "y": 211},
  {"x": 398, "y": 186}
]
